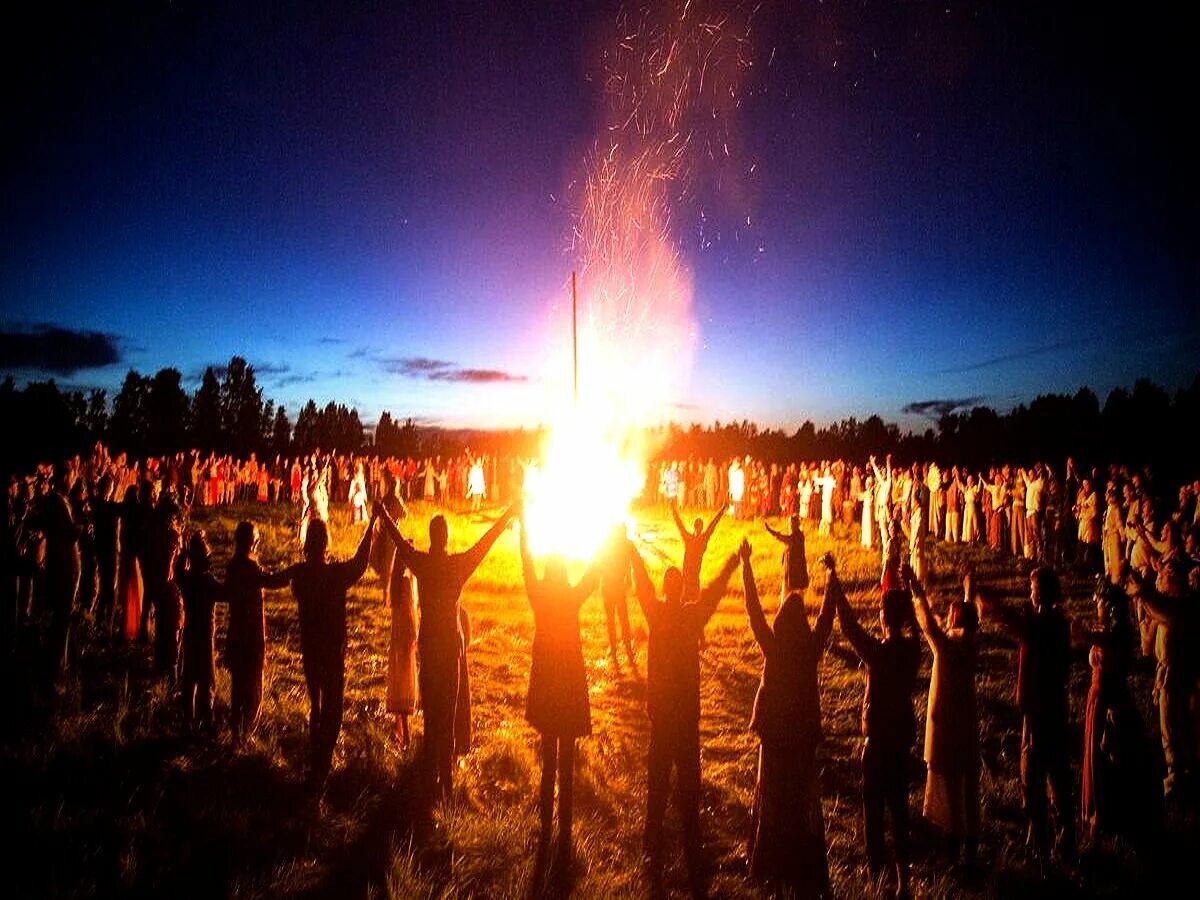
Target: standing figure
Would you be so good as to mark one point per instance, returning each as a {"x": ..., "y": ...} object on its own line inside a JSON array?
[
  {"x": 614, "y": 590},
  {"x": 164, "y": 542},
  {"x": 320, "y": 588},
  {"x": 1118, "y": 770},
  {"x": 201, "y": 591},
  {"x": 695, "y": 542},
  {"x": 1176, "y": 617},
  {"x": 795, "y": 564},
  {"x": 673, "y": 703},
  {"x": 440, "y": 649},
  {"x": 1113, "y": 535},
  {"x": 358, "y": 495},
  {"x": 787, "y": 829},
  {"x": 952, "y": 726},
  {"x": 107, "y": 525},
  {"x": 400, "y": 595},
  {"x": 888, "y": 725},
  {"x": 1043, "y": 672},
  {"x": 246, "y": 634},
  {"x": 129, "y": 571},
  {"x": 557, "y": 704},
  {"x": 62, "y": 567}
]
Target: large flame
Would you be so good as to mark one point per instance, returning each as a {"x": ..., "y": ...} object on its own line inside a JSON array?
[{"x": 668, "y": 86}]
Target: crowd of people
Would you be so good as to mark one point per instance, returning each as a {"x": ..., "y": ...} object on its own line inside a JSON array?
[{"x": 110, "y": 539}]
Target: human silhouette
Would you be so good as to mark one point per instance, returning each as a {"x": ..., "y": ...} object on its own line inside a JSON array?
[
  {"x": 557, "y": 704},
  {"x": 440, "y": 650},
  {"x": 676, "y": 623},
  {"x": 795, "y": 565},
  {"x": 1043, "y": 672},
  {"x": 695, "y": 543},
  {"x": 952, "y": 724},
  {"x": 201, "y": 592},
  {"x": 320, "y": 587},
  {"x": 1119, "y": 789},
  {"x": 246, "y": 628},
  {"x": 614, "y": 590},
  {"x": 787, "y": 829},
  {"x": 888, "y": 725}
]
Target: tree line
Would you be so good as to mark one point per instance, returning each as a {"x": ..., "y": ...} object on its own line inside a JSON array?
[{"x": 227, "y": 413}]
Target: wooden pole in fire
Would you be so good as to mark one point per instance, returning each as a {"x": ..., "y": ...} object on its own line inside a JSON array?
[{"x": 574, "y": 345}]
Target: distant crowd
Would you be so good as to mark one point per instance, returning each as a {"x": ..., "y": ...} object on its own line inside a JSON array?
[{"x": 102, "y": 549}]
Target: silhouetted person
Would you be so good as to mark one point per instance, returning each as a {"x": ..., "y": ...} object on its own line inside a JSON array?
[
  {"x": 81, "y": 512},
  {"x": 163, "y": 545},
  {"x": 787, "y": 829},
  {"x": 61, "y": 571},
  {"x": 557, "y": 704},
  {"x": 952, "y": 724},
  {"x": 320, "y": 588},
  {"x": 130, "y": 586},
  {"x": 1043, "y": 671},
  {"x": 695, "y": 542},
  {"x": 673, "y": 704},
  {"x": 1176, "y": 616},
  {"x": 106, "y": 521},
  {"x": 201, "y": 592},
  {"x": 795, "y": 566},
  {"x": 400, "y": 596},
  {"x": 614, "y": 591},
  {"x": 1119, "y": 789},
  {"x": 440, "y": 650},
  {"x": 889, "y": 727},
  {"x": 246, "y": 634}
]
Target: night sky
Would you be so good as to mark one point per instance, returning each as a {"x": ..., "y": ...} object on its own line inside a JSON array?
[{"x": 372, "y": 202}]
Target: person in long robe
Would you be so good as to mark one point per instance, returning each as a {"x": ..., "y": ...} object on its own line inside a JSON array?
[
  {"x": 400, "y": 596},
  {"x": 1119, "y": 790},
  {"x": 106, "y": 522},
  {"x": 795, "y": 564},
  {"x": 320, "y": 587},
  {"x": 61, "y": 571},
  {"x": 246, "y": 629},
  {"x": 676, "y": 624},
  {"x": 952, "y": 725},
  {"x": 130, "y": 586},
  {"x": 787, "y": 829},
  {"x": 888, "y": 724},
  {"x": 557, "y": 704},
  {"x": 440, "y": 649},
  {"x": 164, "y": 542}
]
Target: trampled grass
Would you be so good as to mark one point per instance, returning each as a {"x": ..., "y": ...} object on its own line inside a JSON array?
[{"x": 107, "y": 797}]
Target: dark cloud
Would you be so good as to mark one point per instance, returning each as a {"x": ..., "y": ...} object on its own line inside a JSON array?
[
  {"x": 935, "y": 409},
  {"x": 270, "y": 369},
  {"x": 59, "y": 351},
  {"x": 331, "y": 340},
  {"x": 290, "y": 380},
  {"x": 1029, "y": 353},
  {"x": 441, "y": 370}
]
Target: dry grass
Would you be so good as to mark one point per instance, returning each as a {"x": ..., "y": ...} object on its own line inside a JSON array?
[{"x": 110, "y": 799}]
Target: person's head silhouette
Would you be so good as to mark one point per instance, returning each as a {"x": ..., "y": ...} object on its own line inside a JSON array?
[
  {"x": 439, "y": 533},
  {"x": 673, "y": 585},
  {"x": 316, "y": 541}
]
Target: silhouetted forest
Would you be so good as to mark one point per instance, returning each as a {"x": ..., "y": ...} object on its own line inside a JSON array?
[{"x": 227, "y": 413}]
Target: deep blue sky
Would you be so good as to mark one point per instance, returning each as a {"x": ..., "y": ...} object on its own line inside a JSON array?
[{"x": 948, "y": 201}]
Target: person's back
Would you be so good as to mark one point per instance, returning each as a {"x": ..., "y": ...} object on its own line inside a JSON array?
[
  {"x": 887, "y": 711},
  {"x": 201, "y": 592},
  {"x": 1043, "y": 666},
  {"x": 244, "y": 593},
  {"x": 673, "y": 663}
]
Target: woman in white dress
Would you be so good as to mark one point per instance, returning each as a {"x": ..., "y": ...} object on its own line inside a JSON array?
[
  {"x": 868, "y": 500},
  {"x": 970, "y": 523}
]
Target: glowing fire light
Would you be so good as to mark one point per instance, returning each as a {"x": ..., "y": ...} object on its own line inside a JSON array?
[{"x": 670, "y": 83}]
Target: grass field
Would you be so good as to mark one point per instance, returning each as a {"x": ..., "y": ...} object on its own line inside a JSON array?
[{"x": 108, "y": 797}]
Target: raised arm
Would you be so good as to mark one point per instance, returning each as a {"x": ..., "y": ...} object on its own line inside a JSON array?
[
  {"x": 929, "y": 627},
  {"x": 527, "y": 569},
  {"x": 711, "y": 595},
  {"x": 758, "y": 622},
  {"x": 712, "y": 525},
  {"x": 683, "y": 532},
  {"x": 642, "y": 585},
  {"x": 358, "y": 565},
  {"x": 587, "y": 584},
  {"x": 473, "y": 557},
  {"x": 833, "y": 589},
  {"x": 1167, "y": 610},
  {"x": 864, "y": 644},
  {"x": 782, "y": 538},
  {"x": 273, "y": 581}
]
